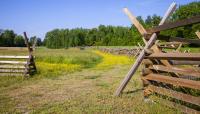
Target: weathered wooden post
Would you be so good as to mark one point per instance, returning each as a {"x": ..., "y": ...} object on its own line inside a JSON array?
[
  {"x": 198, "y": 34},
  {"x": 142, "y": 54},
  {"x": 30, "y": 50}
]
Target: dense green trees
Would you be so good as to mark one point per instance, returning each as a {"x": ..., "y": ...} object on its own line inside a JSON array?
[
  {"x": 19, "y": 41},
  {"x": 121, "y": 36},
  {"x": 100, "y": 36},
  {"x": 183, "y": 12},
  {"x": 9, "y": 39},
  {"x": 103, "y": 35}
]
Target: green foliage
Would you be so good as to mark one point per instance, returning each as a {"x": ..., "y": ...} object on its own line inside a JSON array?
[
  {"x": 85, "y": 58},
  {"x": 37, "y": 40},
  {"x": 185, "y": 11},
  {"x": 9, "y": 39},
  {"x": 103, "y": 35},
  {"x": 19, "y": 41},
  {"x": 118, "y": 35}
]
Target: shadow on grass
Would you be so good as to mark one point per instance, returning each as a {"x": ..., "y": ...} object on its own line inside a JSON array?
[{"x": 134, "y": 91}]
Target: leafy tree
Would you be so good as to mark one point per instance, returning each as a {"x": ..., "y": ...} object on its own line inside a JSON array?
[
  {"x": 155, "y": 20},
  {"x": 39, "y": 42},
  {"x": 8, "y": 38},
  {"x": 19, "y": 41},
  {"x": 183, "y": 12}
]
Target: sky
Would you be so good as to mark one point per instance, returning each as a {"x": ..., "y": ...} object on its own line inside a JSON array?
[{"x": 37, "y": 17}]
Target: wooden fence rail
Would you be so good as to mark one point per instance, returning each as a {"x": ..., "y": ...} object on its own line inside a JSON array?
[
  {"x": 166, "y": 70},
  {"x": 11, "y": 65}
]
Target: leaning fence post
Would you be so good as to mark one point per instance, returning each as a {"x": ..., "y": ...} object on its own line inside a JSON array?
[{"x": 142, "y": 54}]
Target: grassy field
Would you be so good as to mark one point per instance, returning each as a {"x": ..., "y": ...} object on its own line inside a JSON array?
[{"x": 76, "y": 81}]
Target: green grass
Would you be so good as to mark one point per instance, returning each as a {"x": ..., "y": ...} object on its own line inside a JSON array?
[
  {"x": 191, "y": 49},
  {"x": 52, "y": 63},
  {"x": 76, "y": 81},
  {"x": 84, "y": 58}
]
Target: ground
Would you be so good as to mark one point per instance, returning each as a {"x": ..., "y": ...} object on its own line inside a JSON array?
[{"x": 86, "y": 86}]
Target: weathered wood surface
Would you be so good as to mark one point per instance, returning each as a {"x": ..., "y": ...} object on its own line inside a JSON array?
[
  {"x": 169, "y": 43},
  {"x": 147, "y": 62},
  {"x": 14, "y": 57},
  {"x": 142, "y": 54},
  {"x": 175, "y": 94},
  {"x": 13, "y": 62},
  {"x": 181, "y": 62},
  {"x": 167, "y": 26},
  {"x": 168, "y": 47},
  {"x": 12, "y": 67},
  {"x": 136, "y": 23},
  {"x": 175, "y": 56},
  {"x": 12, "y": 74},
  {"x": 14, "y": 48},
  {"x": 11, "y": 71},
  {"x": 183, "y": 71},
  {"x": 27, "y": 44},
  {"x": 179, "y": 39},
  {"x": 174, "y": 81},
  {"x": 198, "y": 34}
]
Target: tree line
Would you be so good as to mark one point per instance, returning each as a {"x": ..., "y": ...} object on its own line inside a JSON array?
[
  {"x": 100, "y": 36},
  {"x": 121, "y": 36},
  {"x": 10, "y": 39}
]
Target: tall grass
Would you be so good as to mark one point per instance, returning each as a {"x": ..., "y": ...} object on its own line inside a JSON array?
[
  {"x": 55, "y": 62},
  {"x": 52, "y": 63},
  {"x": 84, "y": 58}
]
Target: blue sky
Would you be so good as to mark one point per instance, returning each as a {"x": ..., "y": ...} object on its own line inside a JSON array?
[{"x": 37, "y": 17}]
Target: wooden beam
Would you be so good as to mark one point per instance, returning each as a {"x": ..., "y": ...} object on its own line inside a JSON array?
[
  {"x": 174, "y": 81},
  {"x": 179, "y": 47},
  {"x": 27, "y": 44},
  {"x": 14, "y": 48},
  {"x": 183, "y": 71},
  {"x": 169, "y": 43},
  {"x": 142, "y": 54},
  {"x": 198, "y": 34},
  {"x": 156, "y": 49},
  {"x": 175, "y": 56},
  {"x": 11, "y": 67},
  {"x": 147, "y": 62},
  {"x": 174, "y": 94},
  {"x": 168, "y": 47},
  {"x": 13, "y": 62},
  {"x": 13, "y": 57},
  {"x": 167, "y": 26},
  {"x": 136, "y": 23},
  {"x": 12, "y": 74},
  {"x": 179, "y": 39},
  {"x": 11, "y": 71},
  {"x": 31, "y": 58},
  {"x": 181, "y": 62}
]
